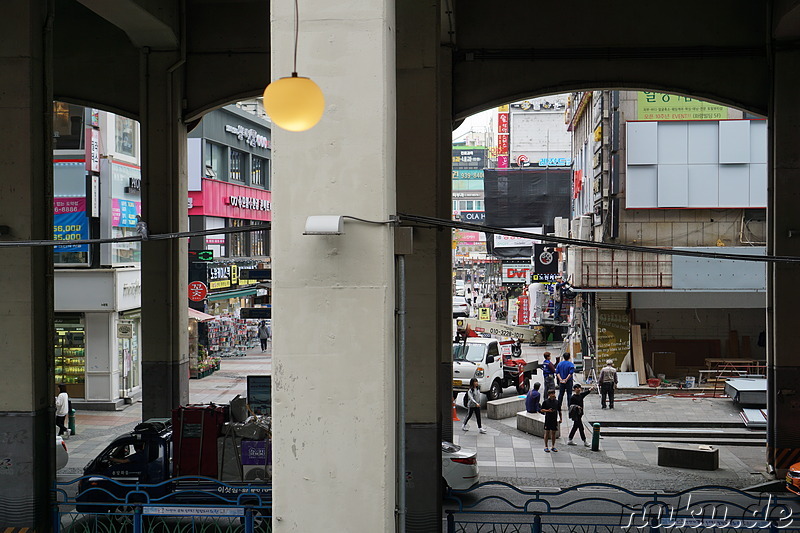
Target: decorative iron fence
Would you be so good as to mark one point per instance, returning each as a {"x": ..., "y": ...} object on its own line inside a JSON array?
[
  {"x": 497, "y": 507},
  {"x": 96, "y": 504}
]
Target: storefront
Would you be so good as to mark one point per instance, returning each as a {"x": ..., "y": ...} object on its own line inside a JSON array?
[{"x": 98, "y": 335}]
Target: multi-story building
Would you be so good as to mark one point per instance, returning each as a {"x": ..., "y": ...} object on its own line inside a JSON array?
[
  {"x": 667, "y": 171},
  {"x": 97, "y": 185}
]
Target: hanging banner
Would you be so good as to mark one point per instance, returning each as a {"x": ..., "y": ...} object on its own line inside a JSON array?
[
  {"x": 662, "y": 106},
  {"x": 70, "y": 223},
  {"x": 613, "y": 335}
]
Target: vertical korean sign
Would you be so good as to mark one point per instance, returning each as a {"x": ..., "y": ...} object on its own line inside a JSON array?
[
  {"x": 502, "y": 137},
  {"x": 70, "y": 224}
]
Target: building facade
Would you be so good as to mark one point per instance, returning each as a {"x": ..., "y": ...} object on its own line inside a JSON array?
[{"x": 662, "y": 170}]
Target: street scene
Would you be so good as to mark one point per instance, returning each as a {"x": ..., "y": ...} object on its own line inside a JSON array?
[{"x": 292, "y": 266}]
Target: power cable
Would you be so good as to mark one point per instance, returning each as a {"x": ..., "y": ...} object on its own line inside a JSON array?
[{"x": 493, "y": 230}]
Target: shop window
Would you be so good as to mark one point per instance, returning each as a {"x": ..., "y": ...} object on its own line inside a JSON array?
[
  {"x": 125, "y": 136},
  {"x": 214, "y": 160},
  {"x": 238, "y": 241},
  {"x": 70, "y": 354},
  {"x": 259, "y": 242},
  {"x": 68, "y": 126},
  {"x": 237, "y": 165},
  {"x": 260, "y": 175},
  {"x": 128, "y": 352}
]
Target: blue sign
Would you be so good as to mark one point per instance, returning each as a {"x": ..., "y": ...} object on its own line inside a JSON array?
[
  {"x": 555, "y": 162},
  {"x": 474, "y": 217},
  {"x": 70, "y": 223}
]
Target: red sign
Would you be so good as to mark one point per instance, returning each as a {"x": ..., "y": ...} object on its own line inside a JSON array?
[
  {"x": 502, "y": 123},
  {"x": 523, "y": 311},
  {"x": 229, "y": 200},
  {"x": 502, "y": 144},
  {"x": 197, "y": 291}
]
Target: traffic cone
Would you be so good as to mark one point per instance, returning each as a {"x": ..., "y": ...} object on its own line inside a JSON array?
[{"x": 455, "y": 415}]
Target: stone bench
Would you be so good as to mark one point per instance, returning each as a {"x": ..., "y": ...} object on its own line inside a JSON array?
[
  {"x": 532, "y": 423},
  {"x": 505, "y": 407},
  {"x": 688, "y": 456}
]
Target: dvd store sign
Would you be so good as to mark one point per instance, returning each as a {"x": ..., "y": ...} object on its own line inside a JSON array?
[{"x": 515, "y": 273}]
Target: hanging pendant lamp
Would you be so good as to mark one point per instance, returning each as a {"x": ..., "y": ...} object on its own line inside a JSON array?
[{"x": 295, "y": 103}]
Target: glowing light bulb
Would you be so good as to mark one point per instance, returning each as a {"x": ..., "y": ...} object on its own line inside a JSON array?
[{"x": 295, "y": 103}]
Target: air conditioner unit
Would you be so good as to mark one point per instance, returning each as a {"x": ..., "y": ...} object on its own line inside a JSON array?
[
  {"x": 585, "y": 228},
  {"x": 574, "y": 227},
  {"x": 561, "y": 226}
]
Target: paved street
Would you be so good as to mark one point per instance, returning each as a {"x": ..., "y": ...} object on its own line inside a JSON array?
[{"x": 504, "y": 453}]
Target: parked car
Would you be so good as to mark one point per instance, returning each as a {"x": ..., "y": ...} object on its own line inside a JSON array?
[
  {"x": 62, "y": 455},
  {"x": 460, "y": 307},
  {"x": 459, "y": 466}
]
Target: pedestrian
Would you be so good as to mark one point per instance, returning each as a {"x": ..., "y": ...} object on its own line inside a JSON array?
[
  {"x": 558, "y": 296},
  {"x": 576, "y": 414},
  {"x": 474, "y": 405},
  {"x": 549, "y": 372},
  {"x": 608, "y": 383},
  {"x": 564, "y": 372},
  {"x": 469, "y": 296},
  {"x": 533, "y": 398},
  {"x": 62, "y": 410},
  {"x": 263, "y": 335},
  {"x": 552, "y": 419}
]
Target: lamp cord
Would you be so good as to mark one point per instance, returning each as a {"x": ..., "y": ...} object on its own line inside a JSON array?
[{"x": 296, "y": 32}]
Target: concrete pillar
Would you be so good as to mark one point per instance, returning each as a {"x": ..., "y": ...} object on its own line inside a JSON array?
[
  {"x": 165, "y": 303},
  {"x": 26, "y": 308},
  {"x": 783, "y": 437},
  {"x": 334, "y": 296},
  {"x": 424, "y": 187}
]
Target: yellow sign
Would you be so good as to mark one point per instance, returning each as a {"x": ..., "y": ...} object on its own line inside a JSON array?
[
  {"x": 662, "y": 106},
  {"x": 503, "y": 108},
  {"x": 484, "y": 313},
  {"x": 219, "y": 284}
]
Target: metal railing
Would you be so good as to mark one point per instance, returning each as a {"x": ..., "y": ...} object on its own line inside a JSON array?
[
  {"x": 187, "y": 504},
  {"x": 497, "y": 507}
]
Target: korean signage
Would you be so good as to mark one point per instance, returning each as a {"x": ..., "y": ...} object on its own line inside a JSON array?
[
  {"x": 229, "y": 200},
  {"x": 613, "y": 335},
  {"x": 197, "y": 291},
  {"x": 662, "y": 106},
  {"x": 555, "y": 162},
  {"x": 502, "y": 137},
  {"x": 123, "y": 213},
  {"x": 506, "y": 241},
  {"x": 223, "y": 277},
  {"x": 469, "y": 159},
  {"x": 467, "y": 174},
  {"x": 545, "y": 263},
  {"x": 523, "y": 310},
  {"x": 515, "y": 273},
  {"x": 92, "y": 150},
  {"x": 248, "y": 135},
  {"x": 70, "y": 223},
  {"x": 473, "y": 217}
]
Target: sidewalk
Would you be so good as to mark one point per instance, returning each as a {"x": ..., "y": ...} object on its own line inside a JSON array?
[
  {"x": 506, "y": 454},
  {"x": 96, "y": 429}
]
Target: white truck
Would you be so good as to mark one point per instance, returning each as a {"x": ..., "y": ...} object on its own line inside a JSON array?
[{"x": 484, "y": 359}]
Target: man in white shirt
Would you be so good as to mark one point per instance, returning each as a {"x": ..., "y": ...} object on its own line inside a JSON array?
[{"x": 62, "y": 410}]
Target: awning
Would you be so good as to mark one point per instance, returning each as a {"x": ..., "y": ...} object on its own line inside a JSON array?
[
  {"x": 197, "y": 315},
  {"x": 241, "y": 293}
]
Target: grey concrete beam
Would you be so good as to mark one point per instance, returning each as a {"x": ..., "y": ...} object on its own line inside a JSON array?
[{"x": 142, "y": 26}]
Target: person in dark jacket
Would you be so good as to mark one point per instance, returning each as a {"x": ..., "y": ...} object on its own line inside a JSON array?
[
  {"x": 576, "y": 413},
  {"x": 533, "y": 398}
]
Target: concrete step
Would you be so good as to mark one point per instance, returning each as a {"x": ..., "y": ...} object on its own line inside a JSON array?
[
  {"x": 672, "y": 424},
  {"x": 673, "y": 433},
  {"x": 700, "y": 440}
]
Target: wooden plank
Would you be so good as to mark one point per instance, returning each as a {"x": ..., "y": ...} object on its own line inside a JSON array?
[
  {"x": 746, "y": 350},
  {"x": 733, "y": 343},
  {"x": 638, "y": 353}
]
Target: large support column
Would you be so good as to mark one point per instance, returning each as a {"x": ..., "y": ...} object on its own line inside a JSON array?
[
  {"x": 334, "y": 296},
  {"x": 783, "y": 439},
  {"x": 26, "y": 308},
  {"x": 424, "y": 187},
  {"x": 165, "y": 342}
]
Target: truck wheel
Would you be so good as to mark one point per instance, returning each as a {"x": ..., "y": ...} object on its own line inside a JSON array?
[
  {"x": 525, "y": 387},
  {"x": 495, "y": 391}
]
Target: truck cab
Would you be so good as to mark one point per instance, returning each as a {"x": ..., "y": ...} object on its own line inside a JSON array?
[{"x": 478, "y": 358}]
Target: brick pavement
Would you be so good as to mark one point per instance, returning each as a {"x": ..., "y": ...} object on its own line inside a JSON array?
[{"x": 503, "y": 452}]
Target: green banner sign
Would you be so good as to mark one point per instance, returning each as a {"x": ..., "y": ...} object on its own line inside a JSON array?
[{"x": 662, "y": 106}]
